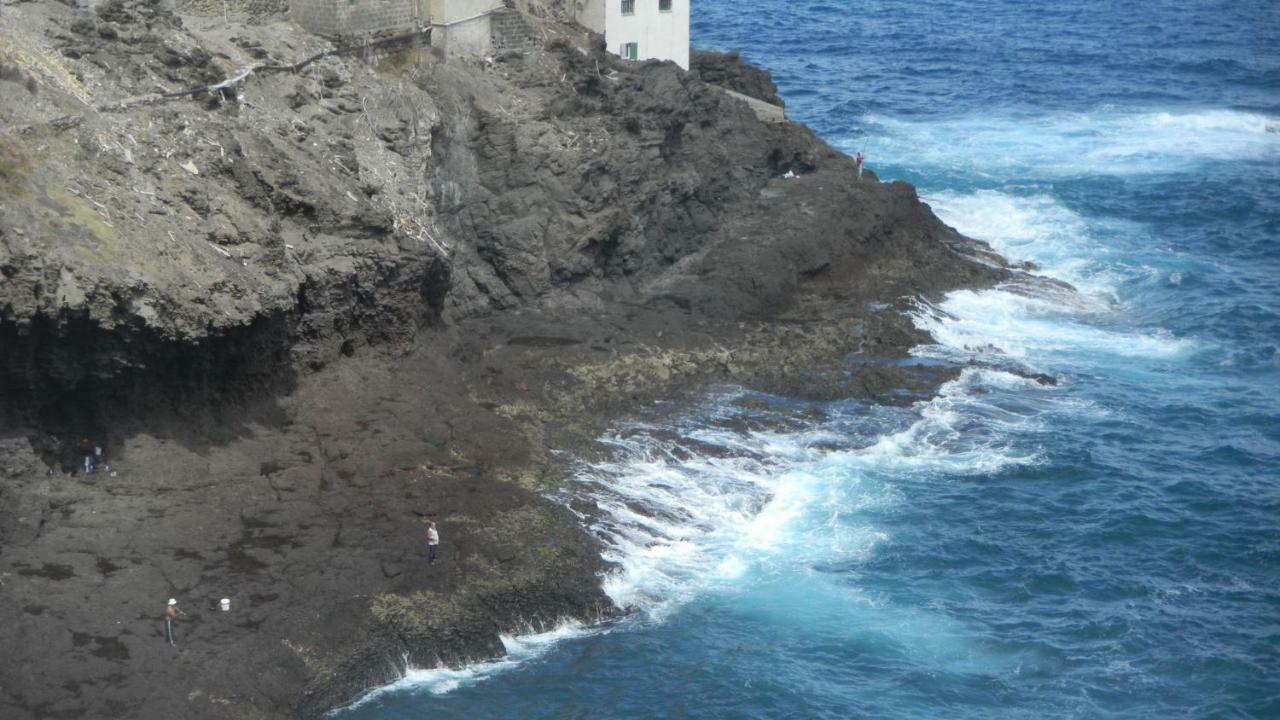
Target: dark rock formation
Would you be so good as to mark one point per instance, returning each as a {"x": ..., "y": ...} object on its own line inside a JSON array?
[
  {"x": 729, "y": 70},
  {"x": 304, "y": 314}
]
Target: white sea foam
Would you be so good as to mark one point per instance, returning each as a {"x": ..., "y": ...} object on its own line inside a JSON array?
[
  {"x": 1039, "y": 229},
  {"x": 1031, "y": 323},
  {"x": 680, "y": 521},
  {"x": 682, "y": 524},
  {"x": 756, "y": 517},
  {"x": 444, "y": 679},
  {"x": 961, "y": 431},
  {"x": 1036, "y": 333},
  {"x": 1104, "y": 142}
]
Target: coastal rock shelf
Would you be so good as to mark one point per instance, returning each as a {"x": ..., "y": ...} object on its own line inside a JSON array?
[{"x": 305, "y": 315}]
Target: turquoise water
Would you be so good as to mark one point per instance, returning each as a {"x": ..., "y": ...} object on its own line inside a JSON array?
[{"x": 1105, "y": 548}]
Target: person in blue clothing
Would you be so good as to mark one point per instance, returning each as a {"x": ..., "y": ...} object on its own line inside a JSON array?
[{"x": 93, "y": 457}]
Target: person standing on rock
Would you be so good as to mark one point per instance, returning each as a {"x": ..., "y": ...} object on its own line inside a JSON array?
[
  {"x": 433, "y": 542},
  {"x": 857, "y": 162},
  {"x": 94, "y": 460},
  {"x": 92, "y": 455},
  {"x": 171, "y": 613}
]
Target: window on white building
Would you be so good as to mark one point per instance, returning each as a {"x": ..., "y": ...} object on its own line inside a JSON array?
[
  {"x": 628, "y": 7},
  {"x": 664, "y": 5},
  {"x": 631, "y": 51}
]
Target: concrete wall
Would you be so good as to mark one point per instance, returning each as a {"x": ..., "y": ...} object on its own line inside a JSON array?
[
  {"x": 590, "y": 14},
  {"x": 661, "y": 35},
  {"x": 353, "y": 17},
  {"x": 460, "y": 27},
  {"x": 466, "y": 38},
  {"x": 449, "y": 11}
]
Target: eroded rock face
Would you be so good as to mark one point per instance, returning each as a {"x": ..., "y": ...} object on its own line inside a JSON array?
[
  {"x": 644, "y": 184},
  {"x": 306, "y": 314},
  {"x": 729, "y": 70}
]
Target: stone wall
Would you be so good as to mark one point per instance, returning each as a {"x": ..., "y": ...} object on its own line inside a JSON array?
[
  {"x": 511, "y": 32},
  {"x": 252, "y": 8},
  {"x": 444, "y": 12},
  {"x": 334, "y": 18}
]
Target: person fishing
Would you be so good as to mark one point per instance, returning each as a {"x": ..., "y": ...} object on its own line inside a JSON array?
[
  {"x": 857, "y": 163},
  {"x": 171, "y": 613}
]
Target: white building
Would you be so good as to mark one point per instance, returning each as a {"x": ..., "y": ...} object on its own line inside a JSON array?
[{"x": 640, "y": 29}]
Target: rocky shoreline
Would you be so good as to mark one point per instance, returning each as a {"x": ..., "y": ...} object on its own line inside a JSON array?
[{"x": 307, "y": 316}]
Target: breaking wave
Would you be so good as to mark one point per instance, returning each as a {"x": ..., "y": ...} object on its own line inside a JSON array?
[
  {"x": 444, "y": 679},
  {"x": 1099, "y": 143}
]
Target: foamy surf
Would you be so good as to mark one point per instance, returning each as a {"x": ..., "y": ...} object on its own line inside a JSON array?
[
  {"x": 679, "y": 521},
  {"x": 683, "y": 524},
  {"x": 697, "y": 509},
  {"x": 1103, "y": 142},
  {"x": 443, "y": 679},
  {"x": 1042, "y": 326},
  {"x": 1039, "y": 229}
]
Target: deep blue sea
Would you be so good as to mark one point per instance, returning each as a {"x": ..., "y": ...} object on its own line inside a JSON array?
[{"x": 1105, "y": 548}]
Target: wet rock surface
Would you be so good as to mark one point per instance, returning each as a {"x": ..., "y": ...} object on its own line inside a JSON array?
[{"x": 307, "y": 314}]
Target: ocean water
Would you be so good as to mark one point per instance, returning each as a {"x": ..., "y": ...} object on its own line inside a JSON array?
[{"x": 1108, "y": 547}]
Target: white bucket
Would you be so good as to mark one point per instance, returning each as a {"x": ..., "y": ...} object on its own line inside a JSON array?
[{"x": 225, "y": 604}]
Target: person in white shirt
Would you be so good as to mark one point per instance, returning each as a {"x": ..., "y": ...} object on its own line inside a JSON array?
[
  {"x": 433, "y": 542},
  {"x": 171, "y": 613}
]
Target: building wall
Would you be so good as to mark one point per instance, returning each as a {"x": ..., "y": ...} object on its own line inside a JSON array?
[
  {"x": 448, "y": 11},
  {"x": 511, "y": 32},
  {"x": 353, "y": 17},
  {"x": 661, "y": 35},
  {"x": 467, "y": 38},
  {"x": 461, "y": 27},
  {"x": 590, "y": 14}
]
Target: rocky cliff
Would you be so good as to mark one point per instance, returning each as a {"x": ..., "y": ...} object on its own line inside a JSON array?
[{"x": 308, "y": 310}]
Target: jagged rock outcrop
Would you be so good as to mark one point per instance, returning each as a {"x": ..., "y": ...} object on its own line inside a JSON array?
[{"x": 729, "y": 70}]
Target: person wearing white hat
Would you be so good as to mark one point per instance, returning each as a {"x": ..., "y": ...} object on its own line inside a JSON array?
[{"x": 171, "y": 612}]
